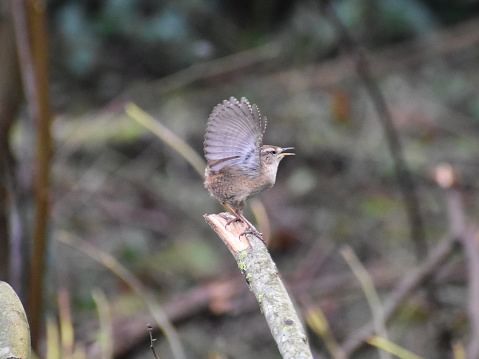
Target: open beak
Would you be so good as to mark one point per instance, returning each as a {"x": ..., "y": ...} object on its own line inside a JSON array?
[{"x": 286, "y": 153}]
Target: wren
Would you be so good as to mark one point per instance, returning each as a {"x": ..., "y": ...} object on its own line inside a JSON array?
[{"x": 239, "y": 166}]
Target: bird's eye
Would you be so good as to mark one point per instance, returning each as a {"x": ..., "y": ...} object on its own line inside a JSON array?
[{"x": 273, "y": 152}]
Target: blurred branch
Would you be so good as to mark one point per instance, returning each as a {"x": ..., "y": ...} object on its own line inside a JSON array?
[
  {"x": 10, "y": 98},
  {"x": 319, "y": 324},
  {"x": 67, "y": 333},
  {"x": 458, "y": 351},
  {"x": 52, "y": 345},
  {"x": 121, "y": 272},
  {"x": 404, "y": 289},
  {"x": 262, "y": 276},
  {"x": 370, "y": 292},
  {"x": 446, "y": 177},
  {"x": 106, "y": 325},
  {"x": 404, "y": 178},
  {"x": 392, "y": 348},
  {"x": 470, "y": 242},
  {"x": 32, "y": 47},
  {"x": 167, "y": 136},
  {"x": 204, "y": 296},
  {"x": 261, "y": 215}
]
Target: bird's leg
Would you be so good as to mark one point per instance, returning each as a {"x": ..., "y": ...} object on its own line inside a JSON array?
[
  {"x": 236, "y": 213},
  {"x": 240, "y": 217},
  {"x": 251, "y": 230},
  {"x": 237, "y": 218}
]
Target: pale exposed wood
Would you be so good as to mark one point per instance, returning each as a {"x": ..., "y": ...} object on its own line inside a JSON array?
[{"x": 230, "y": 234}]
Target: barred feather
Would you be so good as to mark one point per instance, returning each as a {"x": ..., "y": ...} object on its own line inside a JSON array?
[{"x": 234, "y": 136}]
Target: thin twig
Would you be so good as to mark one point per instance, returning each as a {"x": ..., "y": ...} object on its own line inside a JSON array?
[
  {"x": 404, "y": 178},
  {"x": 149, "y": 327}
]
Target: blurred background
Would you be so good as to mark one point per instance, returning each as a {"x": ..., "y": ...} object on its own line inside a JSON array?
[{"x": 119, "y": 192}]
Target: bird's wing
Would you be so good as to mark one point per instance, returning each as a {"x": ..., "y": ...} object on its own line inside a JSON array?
[{"x": 234, "y": 136}]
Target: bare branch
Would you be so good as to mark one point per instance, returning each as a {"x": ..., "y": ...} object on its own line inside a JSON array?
[{"x": 262, "y": 276}]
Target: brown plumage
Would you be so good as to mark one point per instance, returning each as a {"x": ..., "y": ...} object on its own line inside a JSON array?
[{"x": 238, "y": 164}]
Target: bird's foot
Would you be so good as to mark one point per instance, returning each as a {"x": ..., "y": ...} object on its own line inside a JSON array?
[
  {"x": 250, "y": 230},
  {"x": 236, "y": 219},
  {"x": 253, "y": 232}
]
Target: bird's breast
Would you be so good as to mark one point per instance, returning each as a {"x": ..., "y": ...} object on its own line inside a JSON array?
[{"x": 232, "y": 184}]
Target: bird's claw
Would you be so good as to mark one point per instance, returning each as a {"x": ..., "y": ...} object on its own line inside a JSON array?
[
  {"x": 253, "y": 232},
  {"x": 233, "y": 220},
  {"x": 248, "y": 231}
]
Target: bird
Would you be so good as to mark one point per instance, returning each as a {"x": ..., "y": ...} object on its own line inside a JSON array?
[{"x": 239, "y": 165}]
